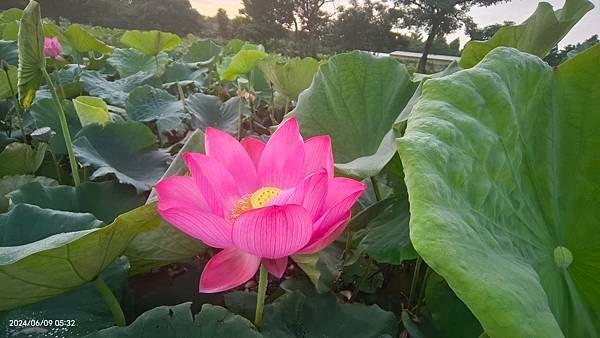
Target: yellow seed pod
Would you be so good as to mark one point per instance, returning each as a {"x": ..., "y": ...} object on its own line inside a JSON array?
[{"x": 263, "y": 195}]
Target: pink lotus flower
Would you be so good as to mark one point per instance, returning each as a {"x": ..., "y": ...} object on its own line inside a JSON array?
[
  {"x": 258, "y": 202},
  {"x": 52, "y": 47}
]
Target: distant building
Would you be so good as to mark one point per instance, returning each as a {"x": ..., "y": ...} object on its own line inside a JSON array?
[{"x": 435, "y": 62}]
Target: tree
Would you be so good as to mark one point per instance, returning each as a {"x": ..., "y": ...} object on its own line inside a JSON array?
[
  {"x": 437, "y": 18},
  {"x": 223, "y": 24},
  {"x": 176, "y": 16},
  {"x": 264, "y": 20},
  {"x": 556, "y": 56},
  {"x": 483, "y": 33},
  {"x": 364, "y": 27}
]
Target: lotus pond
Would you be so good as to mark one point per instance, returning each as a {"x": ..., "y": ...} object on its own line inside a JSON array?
[{"x": 159, "y": 186}]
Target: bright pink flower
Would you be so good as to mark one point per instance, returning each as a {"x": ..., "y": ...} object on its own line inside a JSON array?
[
  {"x": 52, "y": 47},
  {"x": 258, "y": 202}
]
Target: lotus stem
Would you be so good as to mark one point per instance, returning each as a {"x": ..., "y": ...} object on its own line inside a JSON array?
[
  {"x": 56, "y": 166},
  {"x": 376, "y": 189},
  {"x": 362, "y": 280},
  {"x": 17, "y": 106},
  {"x": 260, "y": 299},
  {"x": 287, "y": 105},
  {"x": 413, "y": 284},
  {"x": 111, "y": 301},
  {"x": 241, "y": 119},
  {"x": 422, "y": 290},
  {"x": 65, "y": 128}
]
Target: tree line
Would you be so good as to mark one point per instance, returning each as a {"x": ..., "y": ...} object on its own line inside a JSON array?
[{"x": 293, "y": 27}]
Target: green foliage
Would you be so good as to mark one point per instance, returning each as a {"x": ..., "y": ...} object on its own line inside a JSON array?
[
  {"x": 91, "y": 110},
  {"x": 536, "y": 35},
  {"x": 31, "y": 53},
  {"x": 178, "y": 321},
  {"x": 9, "y": 184},
  {"x": 485, "y": 168},
  {"x": 203, "y": 51},
  {"x": 20, "y": 159},
  {"x": 358, "y": 115},
  {"x": 150, "y": 43},
  {"x": 44, "y": 114},
  {"x": 289, "y": 77},
  {"x": 241, "y": 63},
  {"x": 83, "y": 307},
  {"x": 104, "y": 200},
  {"x": 210, "y": 111},
  {"x": 84, "y": 42},
  {"x": 124, "y": 149},
  {"x": 44, "y": 253},
  {"x": 129, "y": 61},
  {"x": 8, "y": 82},
  {"x": 298, "y": 315},
  {"x": 115, "y": 92},
  {"x": 148, "y": 104}
]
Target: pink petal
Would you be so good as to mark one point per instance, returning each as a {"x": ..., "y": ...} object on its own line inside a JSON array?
[
  {"x": 318, "y": 155},
  {"x": 282, "y": 162},
  {"x": 273, "y": 231},
  {"x": 228, "y": 269},
  {"x": 254, "y": 148},
  {"x": 318, "y": 243},
  {"x": 276, "y": 267},
  {"x": 339, "y": 189},
  {"x": 229, "y": 152},
  {"x": 209, "y": 228},
  {"x": 309, "y": 193},
  {"x": 341, "y": 196},
  {"x": 179, "y": 191},
  {"x": 214, "y": 182}
]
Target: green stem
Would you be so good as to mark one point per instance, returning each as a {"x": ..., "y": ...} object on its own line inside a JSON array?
[
  {"x": 260, "y": 299},
  {"x": 65, "y": 128},
  {"x": 287, "y": 106},
  {"x": 56, "y": 167},
  {"x": 241, "y": 119},
  {"x": 181, "y": 96},
  {"x": 413, "y": 284},
  {"x": 362, "y": 280},
  {"x": 422, "y": 290},
  {"x": 272, "y": 112},
  {"x": 157, "y": 64},
  {"x": 111, "y": 301},
  {"x": 376, "y": 188},
  {"x": 17, "y": 106}
]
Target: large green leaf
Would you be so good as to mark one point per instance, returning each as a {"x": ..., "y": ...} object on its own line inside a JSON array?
[
  {"x": 9, "y": 52},
  {"x": 10, "y": 31},
  {"x": 20, "y": 159},
  {"x": 125, "y": 149},
  {"x": 178, "y": 321},
  {"x": 536, "y": 35},
  {"x": 44, "y": 114},
  {"x": 104, "y": 200},
  {"x": 386, "y": 236},
  {"x": 91, "y": 109},
  {"x": 129, "y": 61},
  {"x": 289, "y": 77},
  {"x": 203, "y": 51},
  {"x": 80, "y": 311},
  {"x": 10, "y": 15},
  {"x": 8, "y": 89},
  {"x": 184, "y": 74},
  {"x": 241, "y": 63},
  {"x": 449, "y": 315},
  {"x": 210, "y": 111},
  {"x": 355, "y": 98},
  {"x": 11, "y": 183},
  {"x": 167, "y": 244},
  {"x": 501, "y": 165},
  {"x": 84, "y": 42},
  {"x": 322, "y": 268},
  {"x": 321, "y": 316},
  {"x": 147, "y": 104},
  {"x": 115, "y": 92},
  {"x": 31, "y": 53},
  {"x": 150, "y": 42},
  {"x": 44, "y": 253}
]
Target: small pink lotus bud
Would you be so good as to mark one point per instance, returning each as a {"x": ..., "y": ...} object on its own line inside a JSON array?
[{"x": 52, "y": 47}]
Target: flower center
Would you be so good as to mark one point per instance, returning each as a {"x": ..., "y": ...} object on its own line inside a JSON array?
[{"x": 256, "y": 200}]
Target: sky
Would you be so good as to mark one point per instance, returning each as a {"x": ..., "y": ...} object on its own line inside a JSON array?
[{"x": 516, "y": 10}]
